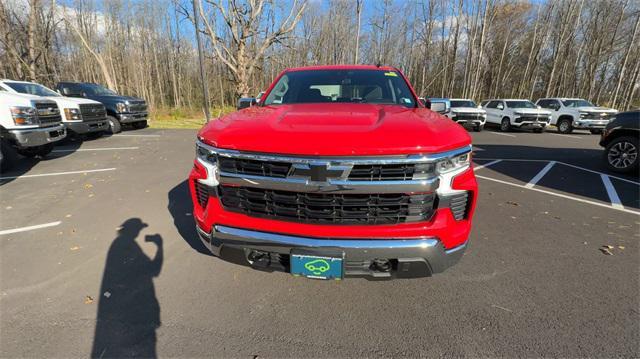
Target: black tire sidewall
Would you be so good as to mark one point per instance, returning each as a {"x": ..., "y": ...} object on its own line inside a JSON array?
[
  {"x": 506, "y": 128},
  {"x": 114, "y": 125},
  {"x": 568, "y": 122}
]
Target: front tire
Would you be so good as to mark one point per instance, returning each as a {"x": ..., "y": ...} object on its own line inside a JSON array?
[
  {"x": 621, "y": 155},
  {"x": 140, "y": 125},
  {"x": 505, "y": 125},
  {"x": 114, "y": 125},
  {"x": 565, "y": 126},
  {"x": 8, "y": 155}
]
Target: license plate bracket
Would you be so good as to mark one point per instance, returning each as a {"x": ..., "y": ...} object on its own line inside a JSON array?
[{"x": 317, "y": 264}]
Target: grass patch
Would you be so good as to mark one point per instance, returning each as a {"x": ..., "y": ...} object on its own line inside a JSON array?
[{"x": 184, "y": 118}]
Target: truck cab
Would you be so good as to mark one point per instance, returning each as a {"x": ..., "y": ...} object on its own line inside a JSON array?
[
  {"x": 121, "y": 110},
  {"x": 568, "y": 114},
  {"x": 81, "y": 116},
  {"x": 29, "y": 125}
]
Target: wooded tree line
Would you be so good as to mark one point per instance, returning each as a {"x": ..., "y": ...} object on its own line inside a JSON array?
[{"x": 448, "y": 48}]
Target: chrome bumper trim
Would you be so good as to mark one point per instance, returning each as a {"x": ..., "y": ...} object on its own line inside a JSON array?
[{"x": 430, "y": 249}]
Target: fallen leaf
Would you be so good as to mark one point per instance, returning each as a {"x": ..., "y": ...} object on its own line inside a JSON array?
[
  {"x": 88, "y": 300},
  {"x": 608, "y": 246},
  {"x": 107, "y": 294},
  {"x": 74, "y": 248},
  {"x": 513, "y": 203},
  {"x": 606, "y": 251},
  {"x": 88, "y": 185},
  {"x": 68, "y": 216},
  {"x": 8, "y": 207},
  {"x": 621, "y": 247},
  {"x": 91, "y": 195}
]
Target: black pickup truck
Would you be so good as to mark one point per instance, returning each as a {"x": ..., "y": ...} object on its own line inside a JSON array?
[{"x": 121, "y": 109}]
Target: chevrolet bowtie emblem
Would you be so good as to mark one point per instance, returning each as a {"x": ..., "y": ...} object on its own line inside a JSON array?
[{"x": 318, "y": 172}]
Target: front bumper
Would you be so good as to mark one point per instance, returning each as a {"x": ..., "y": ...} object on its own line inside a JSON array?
[
  {"x": 470, "y": 121},
  {"x": 38, "y": 136},
  {"x": 88, "y": 127},
  {"x": 590, "y": 124},
  {"x": 530, "y": 124},
  {"x": 411, "y": 257},
  {"x": 132, "y": 117}
]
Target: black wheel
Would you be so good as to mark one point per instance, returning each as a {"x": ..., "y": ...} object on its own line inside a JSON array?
[
  {"x": 505, "y": 125},
  {"x": 8, "y": 155},
  {"x": 564, "y": 126},
  {"x": 38, "y": 151},
  {"x": 595, "y": 131},
  {"x": 478, "y": 128},
  {"x": 114, "y": 125},
  {"x": 140, "y": 124},
  {"x": 621, "y": 154}
]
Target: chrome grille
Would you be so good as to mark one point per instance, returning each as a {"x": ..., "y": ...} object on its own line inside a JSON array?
[
  {"x": 253, "y": 167},
  {"x": 533, "y": 118},
  {"x": 137, "y": 106},
  {"x": 48, "y": 113},
  {"x": 327, "y": 208},
  {"x": 92, "y": 112},
  {"x": 468, "y": 117}
]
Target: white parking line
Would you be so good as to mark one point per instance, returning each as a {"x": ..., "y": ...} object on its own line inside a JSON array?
[
  {"x": 559, "y": 134},
  {"x": 558, "y": 162},
  {"x": 611, "y": 192},
  {"x": 475, "y": 168},
  {"x": 29, "y": 228},
  {"x": 135, "y": 136},
  {"x": 560, "y": 195},
  {"x": 540, "y": 174},
  {"x": 58, "y": 173},
  {"x": 97, "y": 149},
  {"x": 501, "y": 134}
]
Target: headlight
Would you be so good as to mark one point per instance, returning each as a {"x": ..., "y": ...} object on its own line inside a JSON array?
[
  {"x": 583, "y": 114},
  {"x": 207, "y": 158},
  {"x": 121, "y": 107},
  {"x": 72, "y": 114},
  {"x": 453, "y": 163},
  {"x": 23, "y": 116}
]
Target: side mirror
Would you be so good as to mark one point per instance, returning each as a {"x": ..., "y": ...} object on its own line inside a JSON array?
[
  {"x": 500, "y": 107},
  {"x": 539, "y": 107},
  {"x": 245, "y": 102},
  {"x": 439, "y": 107},
  {"x": 479, "y": 106}
]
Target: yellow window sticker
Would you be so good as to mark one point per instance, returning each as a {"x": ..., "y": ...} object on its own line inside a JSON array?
[{"x": 391, "y": 73}]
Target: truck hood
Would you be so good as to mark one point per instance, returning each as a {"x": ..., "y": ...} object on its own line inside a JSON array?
[
  {"x": 70, "y": 102},
  {"x": 467, "y": 110},
  {"x": 20, "y": 99},
  {"x": 335, "y": 130},
  {"x": 115, "y": 98},
  {"x": 531, "y": 111},
  {"x": 596, "y": 109}
]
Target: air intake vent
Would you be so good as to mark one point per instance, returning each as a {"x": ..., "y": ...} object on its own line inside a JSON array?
[
  {"x": 458, "y": 205},
  {"x": 202, "y": 194}
]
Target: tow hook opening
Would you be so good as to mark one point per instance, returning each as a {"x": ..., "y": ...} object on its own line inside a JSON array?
[
  {"x": 258, "y": 258},
  {"x": 381, "y": 265}
]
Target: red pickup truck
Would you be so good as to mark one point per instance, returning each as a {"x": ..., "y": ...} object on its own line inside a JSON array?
[{"x": 338, "y": 171}]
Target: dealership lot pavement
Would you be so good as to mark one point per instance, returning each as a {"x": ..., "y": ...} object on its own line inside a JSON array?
[{"x": 105, "y": 227}]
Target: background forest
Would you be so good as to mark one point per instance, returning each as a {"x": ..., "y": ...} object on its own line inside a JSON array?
[{"x": 448, "y": 48}]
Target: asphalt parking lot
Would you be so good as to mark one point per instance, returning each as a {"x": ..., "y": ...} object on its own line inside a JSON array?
[{"x": 104, "y": 229}]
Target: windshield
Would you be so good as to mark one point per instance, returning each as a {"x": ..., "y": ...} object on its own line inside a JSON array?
[
  {"x": 520, "y": 104},
  {"x": 97, "y": 90},
  {"x": 463, "y": 103},
  {"x": 31, "y": 89},
  {"x": 348, "y": 86},
  {"x": 577, "y": 103}
]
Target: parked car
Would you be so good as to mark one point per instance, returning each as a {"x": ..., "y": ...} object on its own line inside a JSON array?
[
  {"x": 513, "y": 113},
  {"x": 620, "y": 140},
  {"x": 121, "y": 110},
  {"x": 439, "y": 105},
  {"x": 339, "y": 171},
  {"x": 29, "y": 125},
  {"x": 465, "y": 112},
  {"x": 81, "y": 116},
  {"x": 568, "y": 114}
]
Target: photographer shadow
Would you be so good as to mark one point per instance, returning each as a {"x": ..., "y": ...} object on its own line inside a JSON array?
[{"x": 128, "y": 310}]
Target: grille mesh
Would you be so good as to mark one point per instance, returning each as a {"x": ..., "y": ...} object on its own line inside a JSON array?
[
  {"x": 458, "y": 205},
  {"x": 328, "y": 208},
  {"x": 92, "y": 112},
  {"x": 253, "y": 167},
  {"x": 202, "y": 194}
]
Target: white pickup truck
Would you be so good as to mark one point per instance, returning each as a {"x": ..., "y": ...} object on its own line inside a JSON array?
[
  {"x": 29, "y": 125},
  {"x": 81, "y": 116},
  {"x": 510, "y": 114},
  {"x": 574, "y": 113},
  {"x": 465, "y": 112}
]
